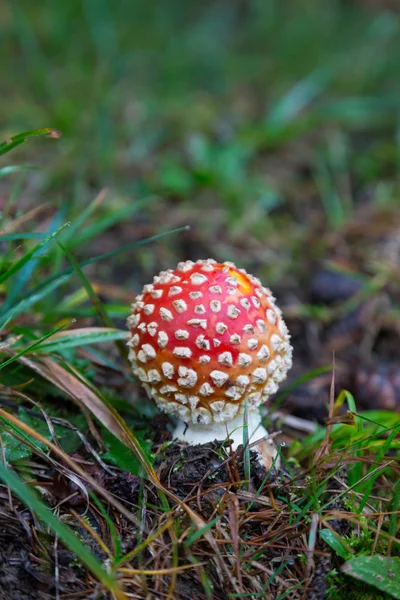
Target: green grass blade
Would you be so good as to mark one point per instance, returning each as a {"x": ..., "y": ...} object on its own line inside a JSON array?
[
  {"x": 395, "y": 509},
  {"x": 335, "y": 541},
  {"x": 97, "y": 304},
  {"x": 17, "y": 266},
  {"x": 81, "y": 337},
  {"x": 374, "y": 473},
  {"x": 300, "y": 380},
  {"x": 22, "y": 236},
  {"x": 132, "y": 246},
  {"x": 32, "y": 298},
  {"x": 30, "y": 348},
  {"x": 91, "y": 261},
  {"x": 10, "y": 169},
  {"x": 20, "y": 280},
  {"x": 298, "y": 98},
  {"x": 200, "y": 532},
  {"x": 84, "y": 215},
  {"x": 20, "y": 138},
  {"x": 113, "y": 531},
  {"x": 95, "y": 229}
]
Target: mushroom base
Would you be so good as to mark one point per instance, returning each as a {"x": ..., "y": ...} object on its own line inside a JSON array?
[{"x": 193, "y": 434}]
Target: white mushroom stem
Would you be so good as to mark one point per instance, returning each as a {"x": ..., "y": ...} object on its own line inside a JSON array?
[{"x": 194, "y": 434}]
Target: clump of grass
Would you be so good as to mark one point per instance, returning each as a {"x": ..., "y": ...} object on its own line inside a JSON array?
[{"x": 150, "y": 529}]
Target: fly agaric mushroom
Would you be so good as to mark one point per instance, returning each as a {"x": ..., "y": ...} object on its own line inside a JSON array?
[{"x": 206, "y": 338}]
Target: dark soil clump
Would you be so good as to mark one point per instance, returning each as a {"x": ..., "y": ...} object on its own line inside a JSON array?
[{"x": 27, "y": 571}]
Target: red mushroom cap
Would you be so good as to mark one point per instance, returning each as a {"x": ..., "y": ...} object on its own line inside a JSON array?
[{"x": 205, "y": 337}]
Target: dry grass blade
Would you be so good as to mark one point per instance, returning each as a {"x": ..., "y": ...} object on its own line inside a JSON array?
[
  {"x": 92, "y": 532},
  {"x": 72, "y": 464},
  {"x": 81, "y": 331},
  {"x": 323, "y": 450},
  {"x": 140, "y": 547},
  {"x": 28, "y": 216},
  {"x": 69, "y": 538},
  {"x": 233, "y": 513},
  {"x": 79, "y": 390},
  {"x": 80, "y": 337},
  {"x": 158, "y": 571},
  {"x": 312, "y": 538},
  {"x": 51, "y": 421}
]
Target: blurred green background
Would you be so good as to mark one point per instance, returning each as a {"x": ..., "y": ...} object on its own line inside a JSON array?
[
  {"x": 265, "y": 125},
  {"x": 272, "y": 129}
]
